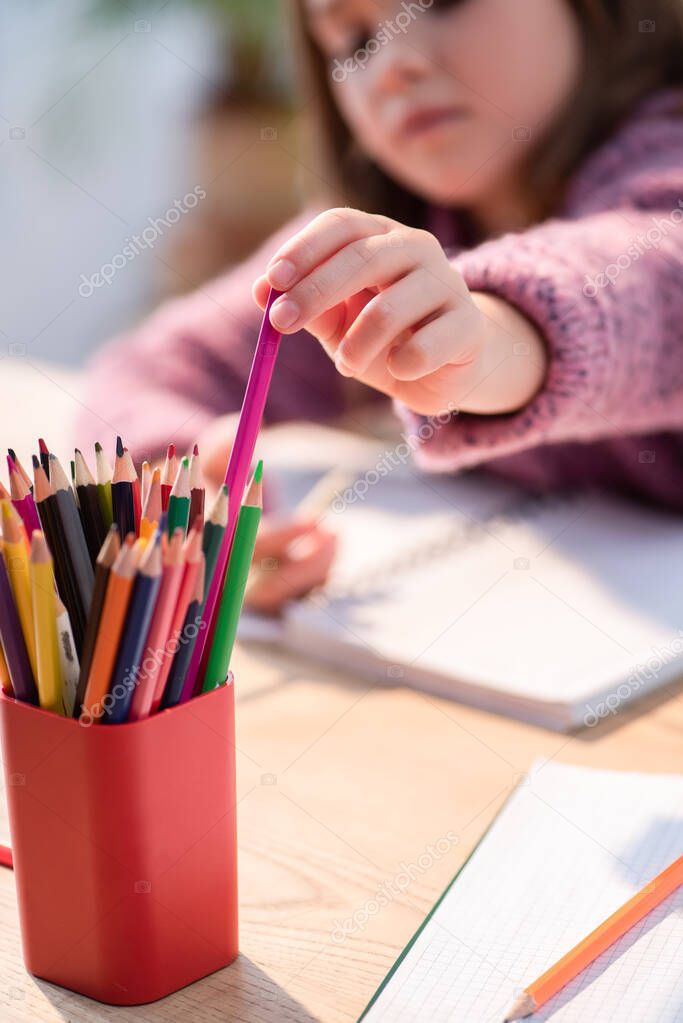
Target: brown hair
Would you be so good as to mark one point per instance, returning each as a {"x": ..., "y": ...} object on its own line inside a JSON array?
[{"x": 631, "y": 49}]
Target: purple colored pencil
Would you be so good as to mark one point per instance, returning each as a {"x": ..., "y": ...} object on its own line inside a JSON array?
[
  {"x": 236, "y": 474},
  {"x": 22, "y": 498},
  {"x": 13, "y": 643}
]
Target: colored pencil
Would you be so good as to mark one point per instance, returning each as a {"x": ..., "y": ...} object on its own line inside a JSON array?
[
  {"x": 104, "y": 474},
  {"x": 168, "y": 475},
  {"x": 214, "y": 530},
  {"x": 179, "y": 501},
  {"x": 16, "y": 560},
  {"x": 232, "y": 597},
  {"x": 598, "y": 941},
  {"x": 48, "y": 675},
  {"x": 46, "y": 503},
  {"x": 14, "y": 644},
  {"x": 137, "y": 495},
  {"x": 122, "y": 492},
  {"x": 193, "y": 559},
  {"x": 176, "y": 678},
  {"x": 116, "y": 601},
  {"x": 126, "y": 674},
  {"x": 151, "y": 512},
  {"x": 76, "y": 550},
  {"x": 4, "y": 493},
  {"x": 5, "y": 680},
  {"x": 236, "y": 474},
  {"x": 105, "y": 560},
  {"x": 44, "y": 456},
  {"x": 22, "y": 498},
  {"x": 197, "y": 492},
  {"x": 145, "y": 480},
  {"x": 89, "y": 506},
  {"x": 156, "y": 645},
  {"x": 68, "y": 658},
  {"x": 20, "y": 469}
]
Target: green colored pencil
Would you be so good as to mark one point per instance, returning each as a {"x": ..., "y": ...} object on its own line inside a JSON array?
[
  {"x": 232, "y": 597},
  {"x": 214, "y": 528},
  {"x": 179, "y": 501},
  {"x": 104, "y": 486}
]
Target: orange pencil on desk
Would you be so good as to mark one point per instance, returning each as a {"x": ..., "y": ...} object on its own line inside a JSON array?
[
  {"x": 597, "y": 942},
  {"x": 112, "y": 621}
]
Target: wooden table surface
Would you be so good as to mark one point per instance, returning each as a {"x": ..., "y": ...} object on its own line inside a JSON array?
[{"x": 342, "y": 785}]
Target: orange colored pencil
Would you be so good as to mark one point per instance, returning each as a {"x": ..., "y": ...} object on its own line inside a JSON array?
[
  {"x": 156, "y": 651},
  {"x": 151, "y": 511},
  {"x": 112, "y": 621},
  {"x": 597, "y": 942}
]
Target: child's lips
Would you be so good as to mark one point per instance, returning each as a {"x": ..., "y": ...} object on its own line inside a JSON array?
[{"x": 424, "y": 119}]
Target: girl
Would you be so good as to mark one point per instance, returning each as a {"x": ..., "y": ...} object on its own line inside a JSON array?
[{"x": 504, "y": 250}]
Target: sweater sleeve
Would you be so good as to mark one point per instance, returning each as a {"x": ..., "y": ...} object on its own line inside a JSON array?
[
  {"x": 604, "y": 286},
  {"x": 188, "y": 363}
]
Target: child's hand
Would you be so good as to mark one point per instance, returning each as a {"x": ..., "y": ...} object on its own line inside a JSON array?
[
  {"x": 390, "y": 309},
  {"x": 290, "y": 558}
]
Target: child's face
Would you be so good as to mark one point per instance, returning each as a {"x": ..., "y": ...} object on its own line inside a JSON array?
[{"x": 445, "y": 95}]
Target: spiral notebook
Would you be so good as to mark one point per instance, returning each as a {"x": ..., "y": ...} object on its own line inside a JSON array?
[
  {"x": 569, "y": 848},
  {"x": 558, "y": 610}
]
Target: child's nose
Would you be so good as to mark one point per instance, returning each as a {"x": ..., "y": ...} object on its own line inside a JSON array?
[{"x": 402, "y": 61}]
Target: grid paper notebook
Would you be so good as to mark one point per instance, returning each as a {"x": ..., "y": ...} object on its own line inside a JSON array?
[{"x": 569, "y": 848}]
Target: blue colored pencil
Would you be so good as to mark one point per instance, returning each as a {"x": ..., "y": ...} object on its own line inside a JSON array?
[{"x": 138, "y": 618}]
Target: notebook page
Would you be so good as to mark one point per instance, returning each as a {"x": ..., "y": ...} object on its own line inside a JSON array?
[{"x": 570, "y": 847}]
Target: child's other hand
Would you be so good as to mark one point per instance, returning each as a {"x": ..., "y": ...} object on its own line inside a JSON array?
[
  {"x": 290, "y": 558},
  {"x": 390, "y": 309},
  {"x": 215, "y": 444}
]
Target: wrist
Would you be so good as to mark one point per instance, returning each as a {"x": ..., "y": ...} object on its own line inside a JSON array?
[{"x": 513, "y": 363}]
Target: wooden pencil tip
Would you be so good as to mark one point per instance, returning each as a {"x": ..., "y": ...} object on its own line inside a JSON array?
[
  {"x": 12, "y": 453},
  {"x": 170, "y": 453},
  {"x": 44, "y": 449},
  {"x": 35, "y": 461},
  {"x": 185, "y": 462},
  {"x": 98, "y": 447},
  {"x": 195, "y": 450},
  {"x": 259, "y": 471},
  {"x": 523, "y": 1006},
  {"x": 119, "y": 447}
]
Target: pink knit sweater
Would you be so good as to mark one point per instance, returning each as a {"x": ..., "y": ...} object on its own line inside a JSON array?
[{"x": 603, "y": 280}]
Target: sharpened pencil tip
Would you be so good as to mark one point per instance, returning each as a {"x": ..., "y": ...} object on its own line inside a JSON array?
[
  {"x": 44, "y": 449},
  {"x": 195, "y": 450},
  {"x": 35, "y": 461},
  {"x": 119, "y": 447},
  {"x": 12, "y": 453},
  {"x": 259, "y": 471},
  {"x": 170, "y": 453},
  {"x": 185, "y": 462},
  {"x": 98, "y": 447}
]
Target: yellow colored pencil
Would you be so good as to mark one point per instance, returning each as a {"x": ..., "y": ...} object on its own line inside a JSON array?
[
  {"x": 48, "y": 674},
  {"x": 16, "y": 559}
]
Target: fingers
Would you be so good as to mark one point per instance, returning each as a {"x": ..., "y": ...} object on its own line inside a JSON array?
[
  {"x": 274, "y": 537},
  {"x": 305, "y": 565},
  {"x": 326, "y": 234},
  {"x": 401, "y": 306},
  {"x": 436, "y": 345},
  {"x": 364, "y": 263}
]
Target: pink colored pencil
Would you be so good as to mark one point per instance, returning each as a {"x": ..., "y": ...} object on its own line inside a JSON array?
[
  {"x": 22, "y": 499},
  {"x": 156, "y": 645},
  {"x": 241, "y": 456},
  {"x": 193, "y": 560}
]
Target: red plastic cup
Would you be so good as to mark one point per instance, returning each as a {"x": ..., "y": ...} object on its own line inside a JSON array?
[{"x": 125, "y": 846}]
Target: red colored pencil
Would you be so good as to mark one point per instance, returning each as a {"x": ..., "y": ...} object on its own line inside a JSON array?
[
  {"x": 168, "y": 475},
  {"x": 196, "y": 486},
  {"x": 22, "y": 498}
]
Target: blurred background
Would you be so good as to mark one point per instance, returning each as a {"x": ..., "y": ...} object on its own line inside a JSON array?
[{"x": 112, "y": 112}]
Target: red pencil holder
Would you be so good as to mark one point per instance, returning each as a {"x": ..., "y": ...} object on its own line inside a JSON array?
[{"x": 125, "y": 847}]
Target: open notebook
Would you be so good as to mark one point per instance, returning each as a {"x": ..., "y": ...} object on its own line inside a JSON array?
[
  {"x": 570, "y": 847},
  {"x": 557, "y": 610}
]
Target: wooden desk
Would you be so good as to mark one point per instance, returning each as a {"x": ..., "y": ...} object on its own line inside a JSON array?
[{"x": 341, "y": 786}]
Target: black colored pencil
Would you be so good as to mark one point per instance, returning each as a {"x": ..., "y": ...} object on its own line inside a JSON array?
[
  {"x": 89, "y": 507},
  {"x": 105, "y": 560},
  {"x": 123, "y": 501},
  {"x": 80, "y": 564}
]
